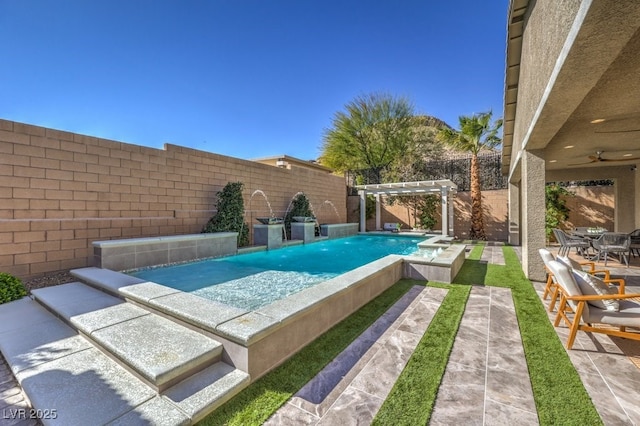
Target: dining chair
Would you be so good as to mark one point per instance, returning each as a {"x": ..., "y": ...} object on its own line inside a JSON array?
[
  {"x": 613, "y": 243},
  {"x": 567, "y": 242},
  {"x": 634, "y": 243}
]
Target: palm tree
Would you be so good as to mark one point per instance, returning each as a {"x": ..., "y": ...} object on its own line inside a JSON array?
[{"x": 476, "y": 134}]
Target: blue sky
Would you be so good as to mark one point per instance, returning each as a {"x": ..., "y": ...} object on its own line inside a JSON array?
[{"x": 242, "y": 78}]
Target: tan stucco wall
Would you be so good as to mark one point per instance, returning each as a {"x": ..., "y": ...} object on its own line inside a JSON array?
[
  {"x": 541, "y": 47},
  {"x": 61, "y": 191},
  {"x": 624, "y": 214}
]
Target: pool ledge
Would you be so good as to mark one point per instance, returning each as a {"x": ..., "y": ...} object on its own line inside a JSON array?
[{"x": 258, "y": 341}]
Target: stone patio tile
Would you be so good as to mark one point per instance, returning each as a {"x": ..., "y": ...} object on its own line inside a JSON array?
[
  {"x": 157, "y": 412},
  {"x": 85, "y": 388},
  {"x": 47, "y": 341},
  {"x": 510, "y": 388},
  {"x": 605, "y": 401},
  {"x": 459, "y": 373},
  {"x": 196, "y": 310},
  {"x": 290, "y": 415},
  {"x": 500, "y": 414},
  {"x": 353, "y": 407},
  {"x": 459, "y": 404},
  {"x": 318, "y": 395},
  {"x": 379, "y": 375},
  {"x": 159, "y": 349},
  {"x": 22, "y": 314}
]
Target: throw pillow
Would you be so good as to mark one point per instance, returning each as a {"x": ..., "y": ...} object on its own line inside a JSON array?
[
  {"x": 569, "y": 262},
  {"x": 592, "y": 285}
]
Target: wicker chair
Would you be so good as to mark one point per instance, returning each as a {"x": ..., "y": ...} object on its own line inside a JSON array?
[
  {"x": 634, "y": 245},
  {"x": 567, "y": 242},
  {"x": 613, "y": 243}
]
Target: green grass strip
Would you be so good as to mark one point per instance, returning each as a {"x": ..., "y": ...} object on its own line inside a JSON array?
[
  {"x": 411, "y": 399},
  {"x": 256, "y": 403}
]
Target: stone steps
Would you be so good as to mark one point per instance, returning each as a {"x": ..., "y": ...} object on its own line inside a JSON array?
[
  {"x": 159, "y": 350},
  {"x": 183, "y": 307},
  {"x": 126, "y": 365}
]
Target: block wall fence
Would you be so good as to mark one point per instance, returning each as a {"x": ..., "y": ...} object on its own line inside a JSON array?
[{"x": 60, "y": 191}]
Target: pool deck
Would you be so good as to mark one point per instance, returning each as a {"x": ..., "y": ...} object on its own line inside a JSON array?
[{"x": 478, "y": 386}]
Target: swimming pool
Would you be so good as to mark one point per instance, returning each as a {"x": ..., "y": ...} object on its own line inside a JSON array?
[{"x": 253, "y": 280}]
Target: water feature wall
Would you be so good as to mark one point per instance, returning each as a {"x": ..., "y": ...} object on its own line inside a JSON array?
[{"x": 61, "y": 191}]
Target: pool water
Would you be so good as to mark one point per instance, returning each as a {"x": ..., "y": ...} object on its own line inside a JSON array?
[{"x": 252, "y": 280}]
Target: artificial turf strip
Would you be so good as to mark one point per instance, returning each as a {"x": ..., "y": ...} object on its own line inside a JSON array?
[
  {"x": 256, "y": 403},
  {"x": 411, "y": 399}
]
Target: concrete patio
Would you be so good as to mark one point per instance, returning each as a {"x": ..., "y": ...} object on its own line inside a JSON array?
[{"x": 486, "y": 381}]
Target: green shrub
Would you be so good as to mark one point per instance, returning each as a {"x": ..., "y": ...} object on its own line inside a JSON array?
[
  {"x": 300, "y": 206},
  {"x": 229, "y": 216},
  {"x": 11, "y": 288}
]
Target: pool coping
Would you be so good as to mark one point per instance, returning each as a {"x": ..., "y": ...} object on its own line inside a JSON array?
[{"x": 259, "y": 340}]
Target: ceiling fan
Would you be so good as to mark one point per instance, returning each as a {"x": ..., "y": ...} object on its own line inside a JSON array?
[{"x": 598, "y": 158}]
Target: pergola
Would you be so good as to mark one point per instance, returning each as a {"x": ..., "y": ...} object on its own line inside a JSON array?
[{"x": 444, "y": 187}]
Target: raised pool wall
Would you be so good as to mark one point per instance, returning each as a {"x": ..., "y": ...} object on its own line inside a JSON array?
[
  {"x": 339, "y": 230},
  {"x": 258, "y": 341},
  {"x": 134, "y": 253},
  {"x": 61, "y": 191}
]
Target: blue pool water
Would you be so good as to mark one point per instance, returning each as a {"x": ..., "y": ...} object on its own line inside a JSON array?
[{"x": 252, "y": 280}]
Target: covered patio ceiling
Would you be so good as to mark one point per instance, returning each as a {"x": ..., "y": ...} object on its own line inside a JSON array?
[{"x": 590, "y": 115}]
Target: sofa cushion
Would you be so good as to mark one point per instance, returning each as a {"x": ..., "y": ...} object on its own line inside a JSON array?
[{"x": 592, "y": 285}]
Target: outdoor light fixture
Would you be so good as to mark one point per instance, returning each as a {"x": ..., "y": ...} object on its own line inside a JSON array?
[
  {"x": 568, "y": 146},
  {"x": 597, "y": 120}
]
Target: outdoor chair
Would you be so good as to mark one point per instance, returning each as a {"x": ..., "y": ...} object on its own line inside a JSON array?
[
  {"x": 634, "y": 243},
  {"x": 567, "y": 242},
  {"x": 613, "y": 243},
  {"x": 551, "y": 288},
  {"x": 586, "y": 302}
]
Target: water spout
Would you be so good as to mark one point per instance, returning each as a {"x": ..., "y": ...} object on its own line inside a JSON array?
[
  {"x": 261, "y": 192},
  {"x": 334, "y": 208}
]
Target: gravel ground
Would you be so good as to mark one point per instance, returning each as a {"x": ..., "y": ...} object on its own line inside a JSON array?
[{"x": 48, "y": 280}]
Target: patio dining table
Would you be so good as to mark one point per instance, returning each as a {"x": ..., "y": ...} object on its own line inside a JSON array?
[{"x": 589, "y": 233}]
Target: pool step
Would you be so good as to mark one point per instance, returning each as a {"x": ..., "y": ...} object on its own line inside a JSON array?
[
  {"x": 159, "y": 350},
  {"x": 185, "y": 307},
  {"x": 47, "y": 355}
]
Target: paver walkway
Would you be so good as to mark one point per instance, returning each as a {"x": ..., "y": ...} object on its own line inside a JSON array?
[
  {"x": 352, "y": 388},
  {"x": 486, "y": 381},
  {"x": 14, "y": 408}
]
